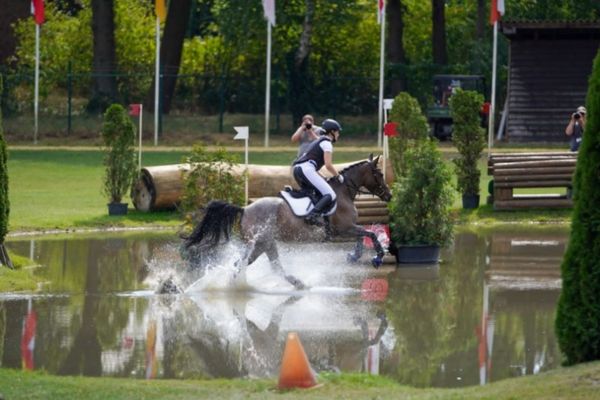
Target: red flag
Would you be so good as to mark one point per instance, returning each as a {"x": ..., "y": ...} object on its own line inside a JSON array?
[
  {"x": 134, "y": 110},
  {"x": 37, "y": 10},
  {"x": 390, "y": 130},
  {"x": 382, "y": 232},
  {"x": 496, "y": 10},
  {"x": 380, "y": 6},
  {"x": 28, "y": 340}
]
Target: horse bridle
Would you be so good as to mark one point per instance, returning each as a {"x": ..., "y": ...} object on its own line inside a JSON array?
[{"x": 379, "y": 191}]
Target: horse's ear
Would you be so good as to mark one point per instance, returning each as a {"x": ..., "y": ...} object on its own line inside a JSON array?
[
  {"x": 376, "y": 161},
  {"x": 371, "y": 157}
]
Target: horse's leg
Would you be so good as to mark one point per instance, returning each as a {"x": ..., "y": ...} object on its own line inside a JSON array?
[
  {"x": 273, "y": 255},
  {"x": 357, "y": 252},
  {"x": 360, "y": 233}
]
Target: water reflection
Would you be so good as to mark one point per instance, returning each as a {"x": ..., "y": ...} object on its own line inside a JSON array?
[{"x": 486, "y": 313}]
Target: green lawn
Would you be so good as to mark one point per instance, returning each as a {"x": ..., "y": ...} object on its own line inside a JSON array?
[
  {"x": 574, "y": 383},
  {"x": 61, "y": 188}
]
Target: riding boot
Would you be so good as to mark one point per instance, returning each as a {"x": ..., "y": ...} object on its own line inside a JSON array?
[{"x": 313, "y": 217}]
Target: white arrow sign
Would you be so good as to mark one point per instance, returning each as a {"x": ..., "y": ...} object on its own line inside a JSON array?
[{"x": 242, "y": 132}]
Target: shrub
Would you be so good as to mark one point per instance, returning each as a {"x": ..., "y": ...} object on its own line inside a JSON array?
[
  {"x": 421, "y": 199},
  {"x": 118, "y": 134},
  {"x": 412, "y": 127},
  {"x": 578, "y": 313},
  {"x": 468, "y": 137},
  {"x": 211, "y": 177}
]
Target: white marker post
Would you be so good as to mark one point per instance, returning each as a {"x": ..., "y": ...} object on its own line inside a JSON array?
[
  {"x": 387, "y": 106},
  {"x": 242, "y": 133},
  {"x": 140, "y": 139}
]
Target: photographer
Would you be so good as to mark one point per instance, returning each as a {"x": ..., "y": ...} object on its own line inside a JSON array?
[
  {"x": 576, "y": 127},
  {"x": 306, "y": 133}
]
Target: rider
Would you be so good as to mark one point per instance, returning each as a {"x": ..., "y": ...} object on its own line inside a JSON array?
[{"x": 306, "y": 167}]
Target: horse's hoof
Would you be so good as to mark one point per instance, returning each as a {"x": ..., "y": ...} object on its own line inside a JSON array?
[
  {"x": 297, "y": 283},
  {"x": 352, "y": 258},
  {"x": 168, "y": 287},
  {"x": 376, "y": 261}
]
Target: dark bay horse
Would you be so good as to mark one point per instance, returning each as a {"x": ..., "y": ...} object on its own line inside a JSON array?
[{"x": 270, "y": 218}]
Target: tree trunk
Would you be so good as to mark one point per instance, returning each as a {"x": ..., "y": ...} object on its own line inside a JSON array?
[
  {"x": 481, "y": 20},
  {"x": 440, "y": 55},
  {"x": 396, "y": 54},
  {"x": 171, "y": 47},
  {"x": 299, "y": 95},
  {"x": 12, "y": 11},
  {"x": 104, "y": 64}
]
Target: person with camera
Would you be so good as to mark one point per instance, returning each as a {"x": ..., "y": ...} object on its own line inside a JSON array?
[
  {"x": 306, "y": 133},
  {"x": 576, "y": 127}
]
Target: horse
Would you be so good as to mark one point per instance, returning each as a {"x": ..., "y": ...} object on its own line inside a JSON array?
[{"x": 271, "y": 218}]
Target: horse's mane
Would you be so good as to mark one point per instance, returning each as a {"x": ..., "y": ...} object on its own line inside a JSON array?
[{"x": 353, "y": 166}]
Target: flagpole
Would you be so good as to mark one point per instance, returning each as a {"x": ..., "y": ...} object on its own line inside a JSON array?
[
  {"x": 157, "y": 81},
  {"x": 381, "y": 72},
  {"x": 493, "y": 102},
  {"x": 140, "y": 142},
  {"x": 268, "y": 88},
  {"x": 36, "y": 90}
]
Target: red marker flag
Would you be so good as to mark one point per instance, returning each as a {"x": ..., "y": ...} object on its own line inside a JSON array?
[
  {"x": 37, "y": 10},
  {"x": 496, "y": 10},
  {"x": 390, "y": 130},
  {"x": 134, "y": 110}
]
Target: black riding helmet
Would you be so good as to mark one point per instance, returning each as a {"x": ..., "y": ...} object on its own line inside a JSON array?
[{"x": 330, "y": 125}]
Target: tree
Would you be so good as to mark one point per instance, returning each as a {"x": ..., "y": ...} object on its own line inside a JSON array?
[
  {"x": 11, "y": 12},
  {"x": 105, "y": 59},
  {"x": 578, "y": 313},
  {"x": 396, "y": 54},
  {"x": 481, "y": 19},
  {"x": 440, "y": 54},
  {"x": 171, "y": 48},
  {"x": 4, "y": 202}
]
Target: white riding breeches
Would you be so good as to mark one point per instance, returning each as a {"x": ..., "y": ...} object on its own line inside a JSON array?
[{"x": 310, "y": 172}]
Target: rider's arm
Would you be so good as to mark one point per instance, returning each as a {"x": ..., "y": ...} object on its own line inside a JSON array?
[{"x": 328, "y": 157}]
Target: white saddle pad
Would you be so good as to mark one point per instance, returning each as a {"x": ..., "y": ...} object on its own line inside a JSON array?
[{"x": 301, "y": 206}]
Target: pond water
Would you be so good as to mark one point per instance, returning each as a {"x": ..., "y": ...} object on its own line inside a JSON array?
[{"x": 485, "y": 313}]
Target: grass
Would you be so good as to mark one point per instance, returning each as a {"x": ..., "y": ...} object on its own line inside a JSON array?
[{"x": 579, "y": 382}]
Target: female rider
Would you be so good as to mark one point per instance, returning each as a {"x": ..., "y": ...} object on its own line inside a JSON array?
[{"x": 306, "y": 167}]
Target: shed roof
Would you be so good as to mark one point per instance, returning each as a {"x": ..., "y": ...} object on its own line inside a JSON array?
[{"x": 538, "y": 29}]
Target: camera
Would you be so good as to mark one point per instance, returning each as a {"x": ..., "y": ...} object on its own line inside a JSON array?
[
  {"x": 577, "y": 115},
  {"x": 308, "y": 125}
]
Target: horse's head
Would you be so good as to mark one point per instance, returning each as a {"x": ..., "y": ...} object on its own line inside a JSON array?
[{"x": 370, "y": 177}]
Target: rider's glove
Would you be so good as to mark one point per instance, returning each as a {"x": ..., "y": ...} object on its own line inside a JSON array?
[{"x": 340, "y": 178}]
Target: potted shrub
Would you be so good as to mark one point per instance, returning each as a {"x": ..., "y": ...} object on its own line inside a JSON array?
[
  {"x": 118, "y": 134},
  {"x": 468, "y": 137},
  {"x": 420, "y": 220}
]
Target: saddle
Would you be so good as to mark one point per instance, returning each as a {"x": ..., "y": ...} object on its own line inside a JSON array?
[{"x": 301, "y": 202}]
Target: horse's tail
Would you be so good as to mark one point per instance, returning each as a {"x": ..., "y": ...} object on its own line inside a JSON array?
[{"x": 217, "y": 222}]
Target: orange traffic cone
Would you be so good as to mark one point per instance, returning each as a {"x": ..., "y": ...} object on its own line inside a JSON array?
[{"x": 295, "y": 369}]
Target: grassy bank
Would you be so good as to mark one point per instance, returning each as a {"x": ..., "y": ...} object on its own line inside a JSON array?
[
  {"x": 579, "y": 382},
  {"x": 61, "y": 188}
]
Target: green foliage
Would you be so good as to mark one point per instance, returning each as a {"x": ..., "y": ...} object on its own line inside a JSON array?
[
  {"x": 468, "y": 137},
  {"x": 118, "y": 134},
  {"x": 412, "y": 129},
  {"x": 578, "y": 314},
  {"x": 211, "y": 177},
  {"x": 421, "y": 199},
  {"x": 4, "y": 200}
]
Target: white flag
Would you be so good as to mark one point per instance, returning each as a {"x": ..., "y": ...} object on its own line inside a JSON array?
[
  {"x": 269, "y": 10},
  {"x": 242, "y": 132}
]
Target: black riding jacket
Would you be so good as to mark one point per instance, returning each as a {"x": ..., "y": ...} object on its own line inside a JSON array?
[{"x": 314, "y": 153}]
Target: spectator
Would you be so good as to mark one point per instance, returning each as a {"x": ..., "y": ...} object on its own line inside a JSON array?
[
  {"x": 576, "y": 127},
  {"x": 306, "y": 133}
]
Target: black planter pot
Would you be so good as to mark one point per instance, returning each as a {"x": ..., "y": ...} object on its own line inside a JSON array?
[
  {"x": 470, "y": 200},
  {"x": 117, "y": 208},
  {"x": 417, "y": 254}
]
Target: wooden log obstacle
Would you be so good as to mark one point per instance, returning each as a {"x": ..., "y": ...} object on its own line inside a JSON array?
[
  {"x": 161, "y": 187},
  {"x": 512, "y": 171}
]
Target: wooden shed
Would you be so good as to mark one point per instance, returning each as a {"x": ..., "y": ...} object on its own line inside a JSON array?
[{"x": 548, "y": 70}]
